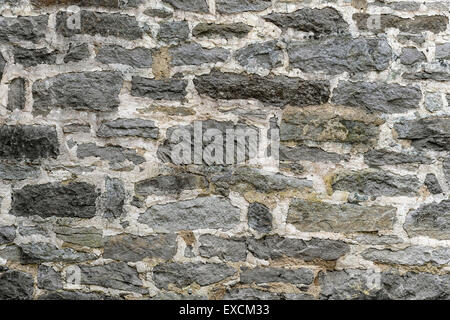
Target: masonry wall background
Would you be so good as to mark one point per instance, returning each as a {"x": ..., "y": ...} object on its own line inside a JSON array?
[{"x": 359, "y": 209}]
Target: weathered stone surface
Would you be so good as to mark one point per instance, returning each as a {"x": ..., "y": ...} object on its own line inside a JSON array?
[
  {"x": 236, "y": 6},
  {"x": 182, "y": 275},
  {"x": 433, "y": 71},
  {"x": 170, "y": 184},
  {"x": 266, "y": 275},
  {"x": 30, "y": 142},
  {"x": 132, "y": 248},
  {"x": 417, "y": 24},
  {"x": 170, "y": 89},
  {"x": 77, "y": 127},
  {"x": 101, "y": 24},
  {"x": 426, "y": 133},
  {"x": 158, "y": 12},
  {"x": 38, "y": 252},
  {"x": 116, "y": 275},
  {"x": 201, "y": 213},
  {"x": 318, "y": 21},
  {"x": 7, "y": 234},
  {"x": 114, "y": 154},
  {"x": 195, "y": 54},
  {"x": 93, "y": 91},
  {"x": 430, "y": 220},
  {"x": 259, "y": 217},
  {"x": 113, "y": 199},
  {"x": 400, "y": 5},
  {"x": 446, "y": 169},
  {"x": 376, "y": 183},
  {"x": 443, "y": 51},
  {"x": 11, "y": 253},
  {"x": 16, "y": 285},
  {"x": 377, "y": 96},
  {"x": 304, "y": 153},
  {"x": 270, "y": 90},
  {"x": 71, "y": 295},
  {"x": 48, "y": 278},
  {"x": 433, "y": 101},
  {"x": 18, "y": 171},
  {"x": 381, "y": 157},
  {"x": 173, "y": 31},
  {"x": 273, "y": 247},
  {"x": 251, "y": 294},
  {"x": 16, "y": 94},
  {"x": 189, "y": 5},
  {"x": 86, "y": 3},
  {"x": 414, "y": 255},
  {"x": 411, "y": 56},
  {"x": 18, "y": 29},
  {"x": 311, "y": 216},
  {"x": 432, "y": 184},
  {"x": 83, "y": 236},
  {"x": 337, "y": 55},
  {"x": 113, "y": 54},
  {"x": 233, "y": 249},
  {"x": 378, "y": 239},
  {"x": 128, "y": 128},
  {"x": 227, "y": 31},
  {"x": 33, "y": 57},
  {"x": 2, "y": 65},
  {"x": 76, "y": 199},
  {"x": 77, "y": 53},
  {"x": 266, "y": 55}
]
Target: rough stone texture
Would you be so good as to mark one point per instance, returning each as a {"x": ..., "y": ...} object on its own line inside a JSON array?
[
  {"x": 413, "y": 255},
  {"x": 16, "y": 94},
  {"x": 225, "y": 249},
  {"x": 31, "y": 28},
  {"x": 194, "y": 54},
  {"x": 443, "y": 51},
  {"x": 189, "y": 5},
  {"x": 112, "y": 54},
  {"x": 433, "y": 101},
  {"x": 236, "y": 6},
  {"x": 337, "y": 55},
  {"x": 48, "y": 278},
  {"x": 16, "y": 285},
  {"x": 304, "y": 153},
  {"x": 432, "y": 184},
  {"x": 128, "y": 128},
  {"x": 308, "y": 216},
  {"x": 227, "y": 31},
  {"x": 7, "y": 234},
  {"x": 266, "y": 55},
  {"x": 381, "y": 157},
  {"x": 88, "y": 236},
  {"x": 411, "y": 56},
  {"x": 170, "y": 184},
  {"x": 32, "y": 57},
  {"x": 259, "y": 217},
  {"x": 77, "y": 53},
  {"x": 18, "y": 171},
  {"x": 430, "y": 220},
  {"x": 266, "y": 275},
  {"x": 2, "y": 65},
  {"x": 39, "y": 252},
  {"x": 433, "y": 71},
  {"x": 173, "y": 31},
  {"x": 114, "y": 154},
  {"x": 171, "y": 89}
]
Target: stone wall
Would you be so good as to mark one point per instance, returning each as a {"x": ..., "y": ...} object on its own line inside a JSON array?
[{"x": 92, "y": 207}]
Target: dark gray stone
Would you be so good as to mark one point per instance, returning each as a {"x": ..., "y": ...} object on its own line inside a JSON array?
[
  {"x": 432, "y": 184},
  {"x": 75, "y": 199},
  {"x": 170, "y": 184},
  {"x": 429, "y": 220},
  {"x": 414, "y": 255},
  {"x": 160, "y": 13},
  {"x": 71, "y": 295},
  {"x": 13, "y": 30},
  {"x": 173, "y": 31},
  {"x": 113, "y": 199},
  {"x": 18, "y": 171},
  {"x": 443, "y": 51},
  {"x": 2, "y": 65},
  {"x": 92, "y": 91},
  {"x": 170, "y": 89},
  {"x": 77, "y": 127},
  {"x": 185, "y": 274},
  {"x": 377, "y": 97},
  {"x": 16, "y": 94},
  {"x": 113, "y": 54},
  {"x": 38, "y": 252},
  {"x": 411, "y": 56},
  {"x": 7, "y": 234},
  {"x": 312, "y": 154},
  {"x": 259, "y": 217},
  {"x": 232, "y": 249},
  {"x": 318, "y": 21},
  {"x": 33, "y": 57},
  {"x": 128, "y": 128},
  {"x": 433, "y": 101},
  {"x": 271, "y": 90},
  {"x": 236, "y": 6},
  {"x": 30, "y": 142},
  {"x": 195, "y": 54},
  {"x": 48, "y": 278},
  {"x": 189, "y": 5},
  {"x": 381, "y": 157},
  {"x": 226, "y": 31},
  {"x": 100, "y": 24},
  {"x": 265, "y": 55},
  {"x": 378, "y": 239},
  {"x": 446, "y": 169},
  {"x": 114, "y": 154},
  {"x": 251, "y": 294},
  {"x": 77, "y": 53},
  {"x": 83, "y": 236},
  {"x": 16, "y": 285},
  {"x": 433, "y": 71},
  {"x": 88, "y": 3},
  {"x": 265, "y": 275}
]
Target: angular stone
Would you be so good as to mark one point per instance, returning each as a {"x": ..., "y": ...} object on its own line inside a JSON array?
[
  {"x": 195, "y": 54},
  {"x": 83, "y": 236},
  {"x": 2, "y": 65},
  {"x": 33, "y": 57},
  {"x": 170, "y": 184},
  {"x": 259, "y": 217},
  {"x": 77, "y": 53},
  {"x": 275, "y": 247},
  {"x": 251, "y": 294},
  {"x": 184, "y": 274},
  {"x": 132, "y": 248},
  {"x": 189, "y": 5},
  {"x": 11, "y": 253},
  {"x": 377, "y": 96},
  {"x": 376, "y": 183},
  {"x": 236, "y": 6},
  {"x": 399, "y": 6},
  {"x": 16, "y": 285},
  {"x": 429, "y": 220},
  {"x": 411, "y": 56},
  {"x": 266, "y": 275},
  {"x": 71, "y": 295},
  {"x": 433, "y": 71},
  {"x": 30, "y": 142},
  {"x": 128, "y": 128},
  {"x": 414, "y": 255},
  {"x": 433, "y": 101},
  {"x": 100, "y": 24},
  {"x": 113, "y": 199},
  {"x": 113, "y": 54},
  {"x": 13, "y": 30},
  {"x": 114, "y": 154},
  {"x": 312, "y": 154},
  {"x": 232, "y": 249},
  {"x": 86, "y": 3},
  {"x": 265, "y": 55},
  {"x": 75, "y": 199},
  {"x": 311, "y": 216},
  {"x": 158, "y": 12},
  {"x": 318, "y": 21},
  {"x": 48, "y": 278},
  {"x": 338, "y": 55},
  {"x": 200, "y": 213},
  {"x": 116, "y": 275},
  {"x": 446, "y": 169},
  {"x": 417, "y": 24},
  {"x": 16, "y": 94},
  {"x": 378, "y": 240},
  {"x": 37, "y": 252},
  {"x": 381, "y": 157},
  {"x": 77, "y": 127},
  {"x": 226, "y": 31},
  {"x": 173, "y": 31},
  {"x": 426, "y": 133},
  {"x": 432, "y": 184},
  {"x": 271, "y": 90},
  {"x": 7, "y": 234},
  {"x": 443, "y": 51},
  {"x": 18, "y": 171},
  {"x": 170, "y": 89},
  {"x": 92, "y": 91}
]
